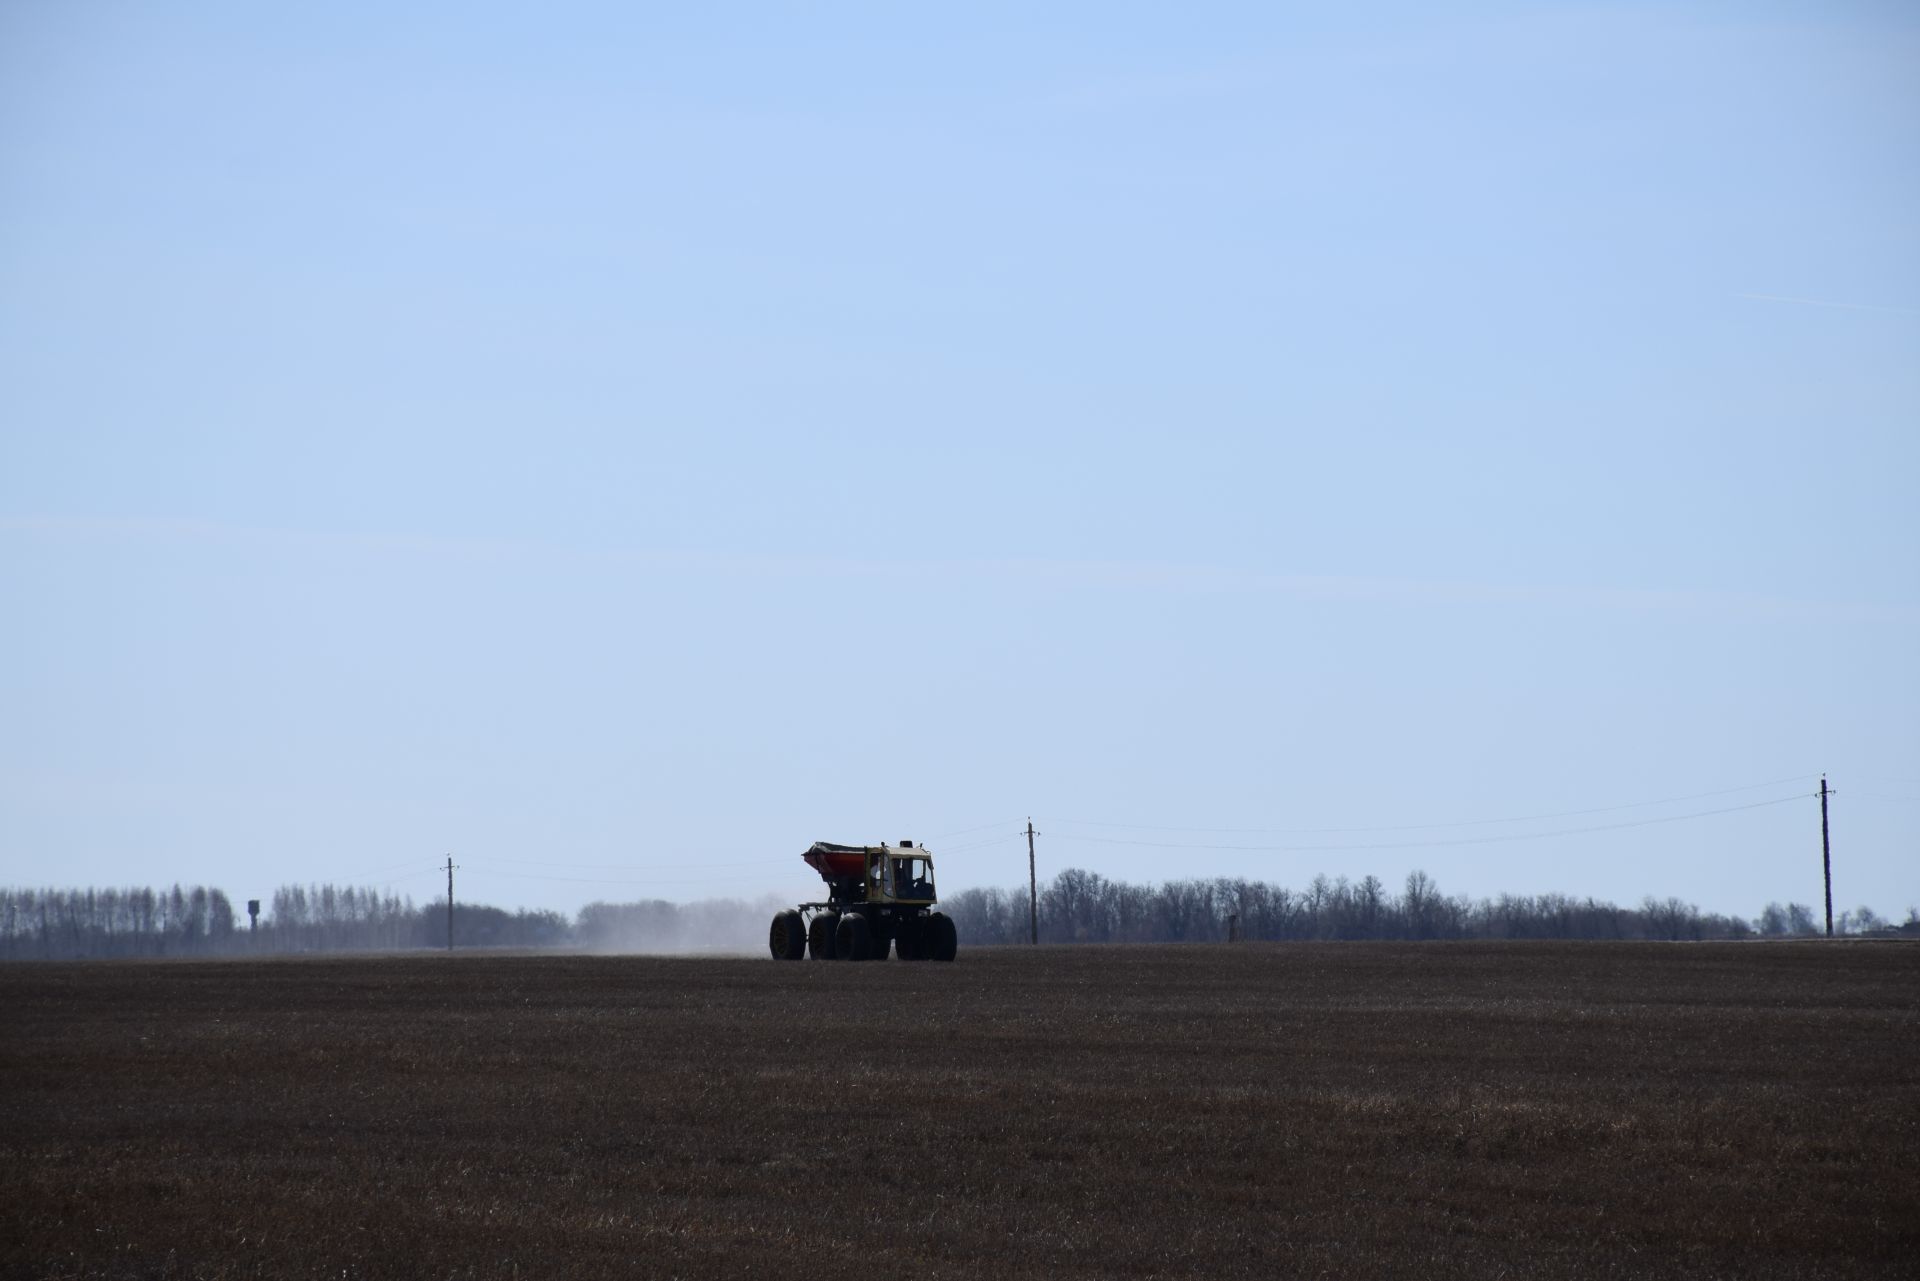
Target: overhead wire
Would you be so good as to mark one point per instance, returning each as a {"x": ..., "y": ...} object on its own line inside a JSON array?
[
  {"x": 1885, "y": 778},
  {"x": 625, "y": 867},
  {"x": 980, "y": 844},
  {"x": 1427, "y": 827},
  {"x": 983, "y": 827},
  {"x": 388, "y": 871},
  {"x": 414, "y": 876},
  {"x": 598, "y": 880},
  {"x": 1411, "y": 845}
]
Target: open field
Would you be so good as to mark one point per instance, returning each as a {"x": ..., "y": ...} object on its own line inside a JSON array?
[{"x": 1353, "y": 1110}]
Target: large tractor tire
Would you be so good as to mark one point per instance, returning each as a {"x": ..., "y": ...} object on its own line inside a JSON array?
[
  {"x": 820, "y": 935},
  {"x": 787, "y": 937},
  {"x": 877, "y": 945},
  {"x": 851, "y": 940},
  {"x": 942, "y": 940}
]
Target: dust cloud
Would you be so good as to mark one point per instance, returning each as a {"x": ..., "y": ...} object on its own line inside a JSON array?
[{"x": 709, "y": 927}]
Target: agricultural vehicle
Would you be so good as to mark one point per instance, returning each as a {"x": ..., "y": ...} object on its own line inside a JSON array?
[{"x": 878, "y": 897}]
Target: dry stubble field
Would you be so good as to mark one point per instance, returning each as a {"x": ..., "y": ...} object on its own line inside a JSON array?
[{"x": 1361, "y": 1110}]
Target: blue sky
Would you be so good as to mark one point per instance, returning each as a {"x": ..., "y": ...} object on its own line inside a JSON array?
[{"x": 621, "y": 447}]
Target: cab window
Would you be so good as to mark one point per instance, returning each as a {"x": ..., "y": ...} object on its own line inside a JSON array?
[{"x": 914, "y": 878}]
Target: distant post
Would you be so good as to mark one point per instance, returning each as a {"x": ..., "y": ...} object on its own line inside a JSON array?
[
  {"x": 1826, "y": 854},
  {"x": 1033, "y": 890},
  {"x": 449, "y": 902},
  {"x": 1233, "y": 927}
]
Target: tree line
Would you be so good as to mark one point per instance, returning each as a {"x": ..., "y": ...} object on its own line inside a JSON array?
[
  {"x": 1076, "y": 906},
  {"x": 67, "y": 924},
  {"x": 1084, "y": 907},
  {"x": 57, "y": 924}
]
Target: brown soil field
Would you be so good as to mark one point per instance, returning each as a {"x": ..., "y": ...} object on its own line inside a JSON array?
[{"x": 1349, "y": 1110}]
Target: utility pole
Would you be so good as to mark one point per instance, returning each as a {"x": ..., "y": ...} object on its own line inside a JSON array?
[
  {"x": 1826, "y": 853},
  {"x": 1033, "y": 889},
  {"x": 449, "y": 902}
]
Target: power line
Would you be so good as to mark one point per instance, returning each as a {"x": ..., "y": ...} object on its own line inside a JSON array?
[
  {"x": 598, "y": 880},
  {"x": 1005, "y": 822},
  {"x": 1414, "y": 845},
  {"x": 367, "y": 880},
  {"x": 411, "y": 876},
  {"x": 384, "y": 872},
  {"x": 624, "y": 867},
  {"x": 1427, "y": 827},
  {"x": 980, "y": 844},
  {"x": 1885, "y": 778}
]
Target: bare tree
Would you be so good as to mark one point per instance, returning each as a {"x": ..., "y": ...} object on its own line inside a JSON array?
[{"x": 1418, "y": 903}]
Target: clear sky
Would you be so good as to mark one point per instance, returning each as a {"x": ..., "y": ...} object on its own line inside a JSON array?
[{"x": 623, "y": 444}]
